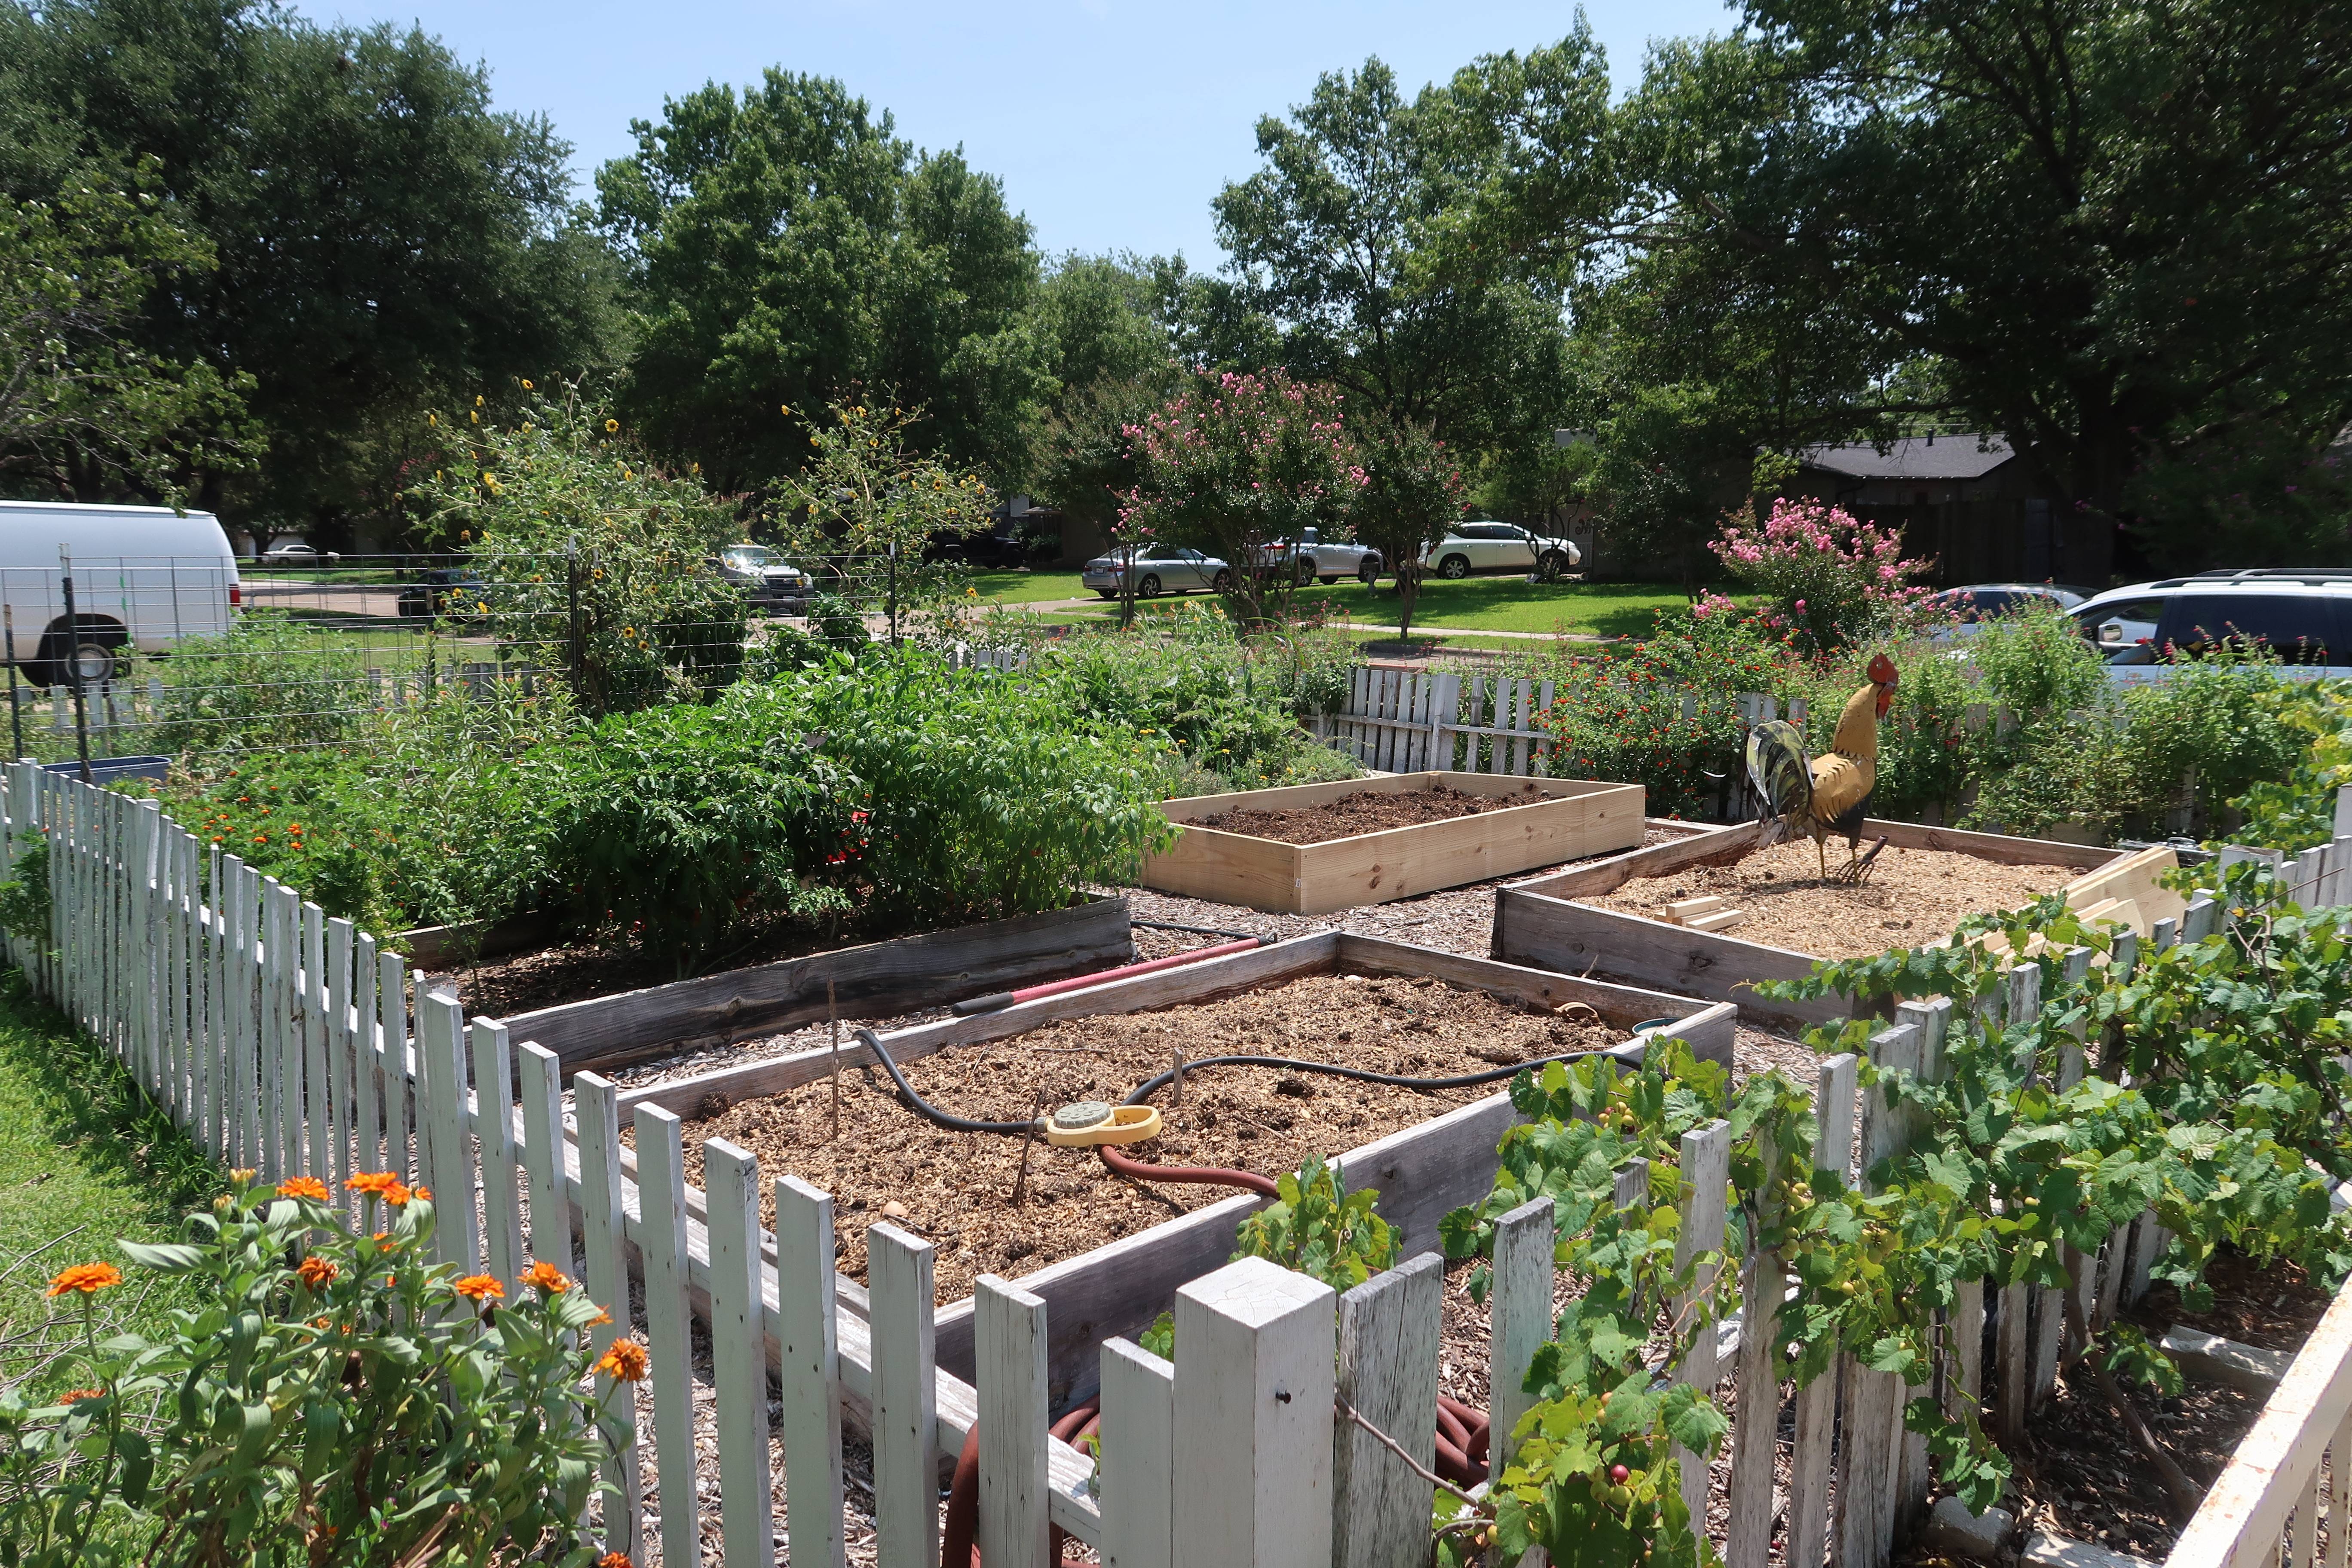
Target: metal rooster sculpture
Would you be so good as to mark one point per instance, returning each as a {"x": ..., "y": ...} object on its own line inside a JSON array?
[{"x": 1826, "y": 794}]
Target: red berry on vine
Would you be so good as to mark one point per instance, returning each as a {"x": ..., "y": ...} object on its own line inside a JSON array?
[{"x": 1618, "y": 1473}]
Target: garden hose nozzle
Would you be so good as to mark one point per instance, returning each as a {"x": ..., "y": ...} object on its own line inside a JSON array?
[{"x": 1091, "y": 1122}]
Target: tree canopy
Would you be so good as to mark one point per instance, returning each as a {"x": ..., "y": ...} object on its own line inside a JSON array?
[{"x": 379, "y": 233}]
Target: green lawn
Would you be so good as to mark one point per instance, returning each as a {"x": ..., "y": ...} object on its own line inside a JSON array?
[
  {"x": 1026, "y": 587},
  {"x": 84, "y": 1159},
  {"x": 1509, "y": 605},
  {"x": 1489, "y": 605}
]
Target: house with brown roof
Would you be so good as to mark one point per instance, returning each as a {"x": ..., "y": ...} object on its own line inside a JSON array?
[{"x": 1967, "y": 501}]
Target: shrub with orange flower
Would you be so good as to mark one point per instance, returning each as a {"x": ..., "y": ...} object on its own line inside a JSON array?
[
  {"x": 317, "y": 1272},
  {"x": 480, "y": 1287},
  {"x": 383, "y": 1184},
  {"x": 76, "y": 1395},
  {"x": 303, "y": 1187},
  {"x": 88, "y": 1279},
  {"x": 625, "y": 1362},
  {"x": 547, "y": 1277}
]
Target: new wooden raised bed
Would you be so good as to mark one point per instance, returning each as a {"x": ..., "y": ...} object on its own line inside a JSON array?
[
  {"x": 873, "y": 979},
  {"x": 1578, "y": 818},
  {"x": 1422, "y": 1171},
  {"x": 1537, "y": 922}
]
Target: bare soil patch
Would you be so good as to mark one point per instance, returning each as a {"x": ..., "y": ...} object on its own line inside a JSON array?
[
  {"x": 1912, "y": 897},
  {"x": 1370, "y": 813},
  {"x": 957, "y": 1187}
]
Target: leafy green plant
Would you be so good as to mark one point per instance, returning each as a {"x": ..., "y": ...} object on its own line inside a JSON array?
[
  {"x": 329, "y": 1398},
  {"x": 24, "y": 899},
  {"x": 1316, "y": 1229},
  {"x": 592, "y": 555}
]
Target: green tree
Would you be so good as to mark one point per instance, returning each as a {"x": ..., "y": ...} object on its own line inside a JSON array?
[
  {"x": 1411, "y": 494},
  {"x": 2118, "y": 230},
  {"x": 866, "y": 507},
  {"x": 384, "y": 238},
  {"x": 1336, "y": 238},
  {"x": 787, "y": 249},
  {"x": 81, "y": 407},
  {"x": 1234, "y": 464}
]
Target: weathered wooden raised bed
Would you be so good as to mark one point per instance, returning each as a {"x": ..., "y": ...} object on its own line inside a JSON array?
[
  {"x": 1422, "y": 1171},
  {"x": 875, "y": 978},
  {"x": 1583, "y": 817},
  {"x": 1536, "y": 922}
]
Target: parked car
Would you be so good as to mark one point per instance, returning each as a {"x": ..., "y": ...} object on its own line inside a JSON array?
[
  {"x": 1000, "y": 547},
  {"x": 2304, "y": 617},
  {"x": 773, "y": 583},
  {"x": 1971, "y": 606},
  {"x": 453, "y": 591},
  {"x": 1315, "y": 559},
  {"x": 1156, "y": 568},
  {"x": 1489, "y": 546},
  {"x": 296, "y": 554},
  {"x": 145, "y": 578}
]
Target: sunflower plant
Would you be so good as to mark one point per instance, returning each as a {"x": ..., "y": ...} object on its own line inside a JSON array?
[{"x": 332, "y": 1398}]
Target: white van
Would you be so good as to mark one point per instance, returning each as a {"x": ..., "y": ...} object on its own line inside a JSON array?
[{"x": 144, "y": 578}]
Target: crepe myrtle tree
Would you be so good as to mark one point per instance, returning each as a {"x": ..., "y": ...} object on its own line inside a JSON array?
[
  {"x": 862, "y": 514},
  {"x": 1234, "y": 464},
  {"x": 1411, "y": 494}
]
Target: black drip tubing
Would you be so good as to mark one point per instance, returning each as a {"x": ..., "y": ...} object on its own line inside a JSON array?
[{"x": 932, "y": 1113}]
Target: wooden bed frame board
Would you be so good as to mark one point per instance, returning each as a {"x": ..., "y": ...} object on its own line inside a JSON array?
[
  {"x": 1581, "y": 818},
  {"x": 1536, "y": 923},
  {"x": 908, "y": 973},
  {"x": 1422, "y": 1171}
]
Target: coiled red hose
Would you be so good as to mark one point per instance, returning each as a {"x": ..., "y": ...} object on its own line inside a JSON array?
[
  {"x": 1205, "y": 1175},
  {"x": 960, "y": 1533}
]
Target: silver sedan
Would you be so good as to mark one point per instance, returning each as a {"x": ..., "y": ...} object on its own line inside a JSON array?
[{"x": 1156, "y": 568}]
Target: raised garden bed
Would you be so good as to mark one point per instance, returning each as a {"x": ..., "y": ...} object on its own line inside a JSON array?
[
  {"x": 1584, "y": 921},
  {"x": 1112, "y": 1255},
  {"x": 1535, "y": 821},
  {"x": 869, "y": 980}
]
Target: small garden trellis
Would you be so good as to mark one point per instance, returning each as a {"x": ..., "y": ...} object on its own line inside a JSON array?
[{"x": 288, "y": 1041}]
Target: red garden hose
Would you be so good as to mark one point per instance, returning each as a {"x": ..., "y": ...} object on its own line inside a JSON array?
[
  {"x": 960, "y": 1533},
  {"x": 1205, "y": 1175},
  {"x": 1001, "y": 999}
]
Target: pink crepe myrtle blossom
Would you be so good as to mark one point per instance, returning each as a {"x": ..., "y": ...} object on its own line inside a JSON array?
[{"x": 1832, "y": 577}]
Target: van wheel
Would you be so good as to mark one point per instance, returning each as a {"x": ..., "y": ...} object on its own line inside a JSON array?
[{"x": 98, "y": 655}]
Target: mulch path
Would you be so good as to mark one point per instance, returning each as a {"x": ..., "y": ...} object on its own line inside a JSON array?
[
  {"x": 1911, "y": 896},
  {"x": 1368, "y": 813},
  {"x": 956, "y": 1188}
]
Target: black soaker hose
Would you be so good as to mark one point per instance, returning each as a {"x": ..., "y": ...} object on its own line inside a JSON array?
[{"x": 932, "y": 1113}]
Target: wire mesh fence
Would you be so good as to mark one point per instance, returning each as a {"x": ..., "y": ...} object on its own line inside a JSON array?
[{"x": 128, "y": 660}]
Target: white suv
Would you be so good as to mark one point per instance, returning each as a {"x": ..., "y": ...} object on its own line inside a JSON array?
[
  {"x": 2302, "y": 617},
  {"x": 1489, "y": 546}
]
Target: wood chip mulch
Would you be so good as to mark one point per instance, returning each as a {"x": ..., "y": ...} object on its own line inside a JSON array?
[
  {"x": 1368, "y": 813},
  {"x": 957, "y": 1187},
  {"x": 1911, "y": 896},
  {"x": 2080, "y": 1475}
]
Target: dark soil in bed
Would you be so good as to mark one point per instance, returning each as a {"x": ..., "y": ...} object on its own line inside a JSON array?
[
  {"x": 2080, "y": 1475},
  {"x": 956, "y": 1188},
  {"x": 1370, "y": 813}
]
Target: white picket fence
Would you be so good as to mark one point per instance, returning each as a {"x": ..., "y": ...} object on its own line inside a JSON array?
[
  {"x": 286, "y": 1040},
  {"x": 1404, "y": 721}
]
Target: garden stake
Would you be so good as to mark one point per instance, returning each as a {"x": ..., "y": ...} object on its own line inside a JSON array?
[
  {"x": 15, "y": 706},
  {"x": 73, "y": 663},
  {"x": 1176, "y": 1076},
  {"x": 1028, "y": 1141},
  {"x": 833, "y": 1022}
]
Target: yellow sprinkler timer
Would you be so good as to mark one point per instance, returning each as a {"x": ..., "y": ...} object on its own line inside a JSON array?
[{"x": 1091, "y": 1122}]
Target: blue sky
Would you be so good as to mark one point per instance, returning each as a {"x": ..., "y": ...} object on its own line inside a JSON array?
[{"x": 1111, "y": 125}]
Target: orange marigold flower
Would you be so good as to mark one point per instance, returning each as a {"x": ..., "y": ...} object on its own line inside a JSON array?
[
  {"x": 317, "y": 1272},
  {"x": 614, "y": 1559},
  {"x": 76, "y": 1395},
  {"x": 87, "y": 1277},
  {"x": 425, "y": 1193},
  {"x": 480, "y": 1287},
  {"x": 375, "y": 1184},
  {"x": 625, "y": 1362},
  {"x": 547, "y": 1277},
  {"x": 303, "y": 1187},
  {"x": 600, "y": 1318}
]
